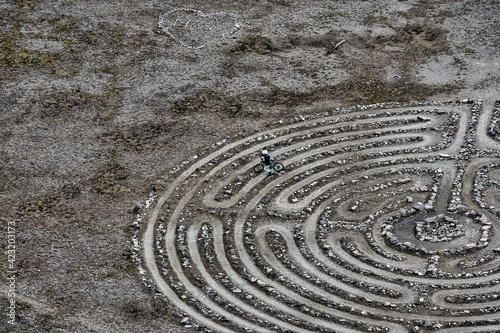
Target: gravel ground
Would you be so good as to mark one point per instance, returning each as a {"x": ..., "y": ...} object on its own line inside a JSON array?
[{"x": 99, "y": 102}]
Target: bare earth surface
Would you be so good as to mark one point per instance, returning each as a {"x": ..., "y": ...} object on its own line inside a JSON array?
[{"x": 128, "y": 136}]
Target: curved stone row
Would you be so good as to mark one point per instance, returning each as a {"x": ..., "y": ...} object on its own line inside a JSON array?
[
  {"x": 494, "y": 128},
  {"x": 331, "y": 244}
]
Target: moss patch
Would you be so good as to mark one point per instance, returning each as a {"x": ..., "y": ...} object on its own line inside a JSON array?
[
  {"x": 286, "y": 3},
  {"x": 358, "y": 91},
  {"x": 108, "y": 179},
  {"x": 40, "y": 205},
  {"x": 13, "y": 56},
  {"x": 207, "y": 101},
  {"x": 74, "y": 102},
  {"x": 54, "y": 204},
  {"x": 63, "y": 25},
  {"x": 431, "y": 40},
  {"x": 109, "y": 70},
  {"x": 146, "y": 137},
  {"x": 257, "y": 44},
  {"x": 26, "y": 5}
]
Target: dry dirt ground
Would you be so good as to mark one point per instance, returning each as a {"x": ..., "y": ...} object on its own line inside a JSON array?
[{"x": 98, "y": 104}]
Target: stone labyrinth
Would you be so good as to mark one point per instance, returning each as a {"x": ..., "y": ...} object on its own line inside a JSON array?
[{"x": 384, "y": 220}]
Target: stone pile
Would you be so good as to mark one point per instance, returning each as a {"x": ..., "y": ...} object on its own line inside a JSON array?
[{"x": 438, "y": 228}]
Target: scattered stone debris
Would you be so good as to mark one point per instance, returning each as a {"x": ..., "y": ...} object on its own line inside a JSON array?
[{"x": 439, "y": 228}]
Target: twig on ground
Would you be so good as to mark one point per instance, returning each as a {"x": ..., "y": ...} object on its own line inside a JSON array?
[{"x": 335, "y": 46}]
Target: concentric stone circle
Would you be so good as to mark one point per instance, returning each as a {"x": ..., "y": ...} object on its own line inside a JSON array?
[
  {"x": 307, "y": 249},
  {"x": 470, "y": 231}
]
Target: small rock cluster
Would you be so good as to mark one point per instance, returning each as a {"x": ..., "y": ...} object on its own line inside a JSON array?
[{"x": 439, "y": 228}]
